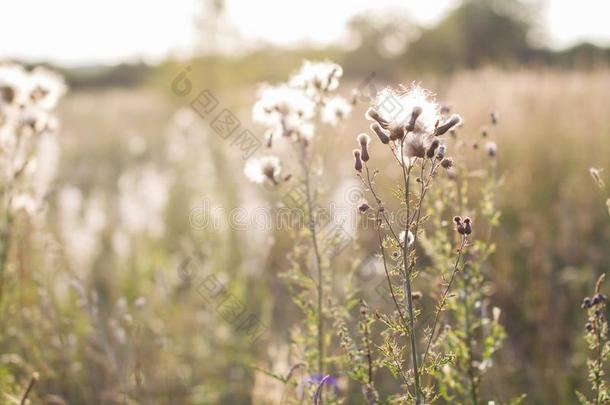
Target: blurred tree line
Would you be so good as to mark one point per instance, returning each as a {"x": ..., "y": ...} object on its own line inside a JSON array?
[{"x": 476, "y": 33}]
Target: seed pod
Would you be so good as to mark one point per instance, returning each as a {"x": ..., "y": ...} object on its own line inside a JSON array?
[
  {"x": 357, "y": 160},
  {"x": 380, "y": 133}
]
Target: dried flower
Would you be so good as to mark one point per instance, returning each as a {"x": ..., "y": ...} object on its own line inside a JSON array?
[
  {"x": 363, "y": 207},
  {"x": 335, "y": 110},
  {"x": 263, "y": 168},
  {"x": 491, "y": 148},
  {"x": 317, "y": 77},
  {"x": 410, "y": 238},
  {"x": 597, "y": 178},
  {"x": 285, "y": 111}
]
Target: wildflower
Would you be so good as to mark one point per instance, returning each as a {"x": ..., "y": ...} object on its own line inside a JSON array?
[
  {"x": 335, "y": 110},
  {"x": 285, "y": 111},
  {"x": 364, "y": 140},
  {"x": 410, "y": 238},
  {"x": 317, "y": 77},
  {"x": 363, "y": 207},
  {"x": 447, "y": 162},
  {"x": 597, "y": 178},
  {"x": 491, "y": 148},
  {"x": 263, "y": 168},
  {"x": 411, "y": 106},
  {"x": 586, "y": 303},
  {"x": 463, "y": 227},
  {"x": 357, "y": 160}
]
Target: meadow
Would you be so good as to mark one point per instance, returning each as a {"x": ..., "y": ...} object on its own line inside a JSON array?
[{"x": 154, "y": 272}]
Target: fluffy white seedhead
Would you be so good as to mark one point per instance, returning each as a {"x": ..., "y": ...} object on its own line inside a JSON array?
[
  {"x": 263, "y": 168},
  {"x": 396, "y": 107},
  {"x": 317, "y": 77},
  {"x": 284, "y": 111},
  {"x": 335, "y": 110},
  {"x": 28, "y": 128},
  {"x": 410, "y": 238},
  {"x": 40, "y": 88}
]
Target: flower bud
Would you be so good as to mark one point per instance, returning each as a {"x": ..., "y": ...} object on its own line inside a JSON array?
[
  {"x": 364, "y": 140},
  {"x": 363, "y": 207},
  {"x": 440, "y": 154},
  {"x": 357, "y": 160},
  {"x": 372, "y": 115},
  {"x": 432, "y": 149},
  {"x": 380, "y": 133},
  {"x": 452, "y": 122},
  {"x": 586, "y": 303},
  {"x": 414, "y": 115},
  {"x": 447, "y": 162}
]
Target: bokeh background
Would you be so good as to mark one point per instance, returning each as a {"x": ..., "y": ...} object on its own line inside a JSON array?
[{"x": 133, "y": 148}]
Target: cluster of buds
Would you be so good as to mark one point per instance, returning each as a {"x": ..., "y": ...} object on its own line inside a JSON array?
[
  {"x": 362, "y": 154},
  {"x": 596, "y": 306},
  {"x": 463, "y": 226}
]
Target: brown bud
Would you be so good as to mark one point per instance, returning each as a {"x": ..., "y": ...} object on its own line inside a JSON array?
[
  {"x": 452, "y": 122},
  {"x": 357, "y": 160},
  {"x": 364, "y": 140},
  {"x": 380, "y": 133},
  {"x": 432, "y": 149},
  {"x": 414, "y": 115},
  {"x": 373, "y": 115},
  {"x": 447, "y": 162},
  {"x": 363, "y": 207}
]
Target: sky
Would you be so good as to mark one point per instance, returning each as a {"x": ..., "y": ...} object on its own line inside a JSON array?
[{"x": 85, "y": 32}]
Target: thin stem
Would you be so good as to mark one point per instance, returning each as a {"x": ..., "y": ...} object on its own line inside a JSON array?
[
  {"x": 444, "y": 297},
  {"x": 28, "y": 389},
  {"x": 318, "y": 257},
  {"x": 407, "y": 284},
  {"x": 471, "y": 375}
]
